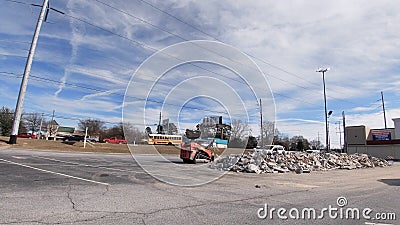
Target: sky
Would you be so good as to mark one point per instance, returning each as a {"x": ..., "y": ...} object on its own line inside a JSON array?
[{"x": 88, "y": 61}]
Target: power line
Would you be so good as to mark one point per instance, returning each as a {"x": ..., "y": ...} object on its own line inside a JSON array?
[
  {"x": 149, "y": 47},
  {"x": 46, "y": 80},
  {"x": 18, "y": 2},
  {"x": 96, "y": 90},
  {"x": 15, "y": 41},
  {"x": 39, "y": 59},
  {"x": 176, "y": 35},
  {"x": 16, "y": 56},
  {"x": 209, "y": 35},
  {"x": 154, "y": 49},
  {"x": 99, "y": 91},
  {"x": 12, "y": 47},
  {"x": 262, "y": 60}
]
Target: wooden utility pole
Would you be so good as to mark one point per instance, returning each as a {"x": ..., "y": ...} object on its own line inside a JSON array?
[
  {"x": 384, "y": 111},
  {"x": 344, "y": 133}
]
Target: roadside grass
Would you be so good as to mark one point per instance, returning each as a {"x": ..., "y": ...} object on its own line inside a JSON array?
[{"x": 70, "y": 146}]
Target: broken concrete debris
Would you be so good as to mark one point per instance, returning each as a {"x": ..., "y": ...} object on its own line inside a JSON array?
[{"x": 298, "y": 162}]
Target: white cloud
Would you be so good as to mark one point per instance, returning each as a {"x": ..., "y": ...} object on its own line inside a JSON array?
[{"x": 359, "y": 40}]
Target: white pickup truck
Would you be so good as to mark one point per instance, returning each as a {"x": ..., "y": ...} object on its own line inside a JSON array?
[{"x": 271, "y": 149}]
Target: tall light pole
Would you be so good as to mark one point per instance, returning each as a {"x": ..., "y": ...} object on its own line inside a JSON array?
[
  {"x": 24, "y": 83},
  {"x": 323, "y": 71}
]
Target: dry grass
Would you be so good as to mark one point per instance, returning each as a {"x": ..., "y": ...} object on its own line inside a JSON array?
[
  {"x": 90, "y": 147},
  {"x": 66, "y": 146},
  {"x": 98, "y": 147}
]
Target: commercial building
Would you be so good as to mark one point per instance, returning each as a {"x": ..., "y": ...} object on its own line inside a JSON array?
[{"x": 383, "y": 143}]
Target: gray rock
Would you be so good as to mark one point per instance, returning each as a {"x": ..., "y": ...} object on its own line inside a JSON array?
[{"x": 299, "y": 162}]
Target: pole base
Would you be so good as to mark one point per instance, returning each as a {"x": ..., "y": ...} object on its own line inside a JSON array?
[{"x": 13, "y": 140}]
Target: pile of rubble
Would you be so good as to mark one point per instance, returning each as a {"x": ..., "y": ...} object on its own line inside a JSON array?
[{"x": 262, "y": 162}]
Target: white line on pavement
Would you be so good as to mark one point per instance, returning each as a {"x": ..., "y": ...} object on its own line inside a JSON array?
[
  {"x": 121, "y": 170},
  {"x": 86, "y": 165},
  {"x": 48, "y": 171}
]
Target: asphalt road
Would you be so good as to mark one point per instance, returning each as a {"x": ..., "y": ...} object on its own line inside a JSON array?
[{"x": 39, "y": 187}]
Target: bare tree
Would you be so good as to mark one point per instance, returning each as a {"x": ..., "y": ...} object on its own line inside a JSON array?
[
  {"x": 207, "y": 130},
  {"x": 95, "y": 127},
  {"x": 239, "y": 129},
  {"x": 268, "y": 131},
  {"x": 133, "y": 134},
  {"x": 315, "y": 144},
  {"x": 32, "y": 122},
  {"x": 172, "y": 129}
]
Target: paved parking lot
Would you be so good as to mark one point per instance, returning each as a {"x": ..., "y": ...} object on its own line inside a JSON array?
[{"x": 41, "y": 187}]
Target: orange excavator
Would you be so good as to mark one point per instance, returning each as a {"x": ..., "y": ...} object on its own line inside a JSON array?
[{"x": 193, "y": 152}]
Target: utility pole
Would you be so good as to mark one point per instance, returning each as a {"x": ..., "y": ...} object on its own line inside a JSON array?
[
  {"x": 262, "y": 131},
  {"x": 384, "y": 111},
  {"x": 24, "y": 82},
  {"x": 323, "y": 71},
  {"x": 319, "y": 143},
  {"x": 344, "y": 133},
  {"x": 52, "y": 116},
  {"x": 53, "y": 123},
  {"x": 159, "y": 125},
  {"x": 40, "y": 128}
]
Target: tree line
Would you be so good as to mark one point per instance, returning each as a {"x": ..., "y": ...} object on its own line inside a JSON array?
[
  {"x": 33, "y": 122},
  {"x": 240, "y": 136},
  {"x": 99, "y": 129},
  {"x": 238, "y": 131},
  {"x": 29, "y": 122}
]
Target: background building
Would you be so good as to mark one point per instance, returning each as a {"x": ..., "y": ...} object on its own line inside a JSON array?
[{"x": 383, "y": 143}]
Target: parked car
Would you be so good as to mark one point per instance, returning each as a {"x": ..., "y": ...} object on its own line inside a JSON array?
[
  {"x": 271, "y": 149},
  {"x": 315, "y": 151},
  {"x": 75, "y": 138},
  {"x": 92, "y": 139},
  {"x": 27, "y": 135},
  {"x": 114, "y": 140}
]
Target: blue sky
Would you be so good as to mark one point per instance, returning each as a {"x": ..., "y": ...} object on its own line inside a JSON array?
[{"x": 82, "y": 69}]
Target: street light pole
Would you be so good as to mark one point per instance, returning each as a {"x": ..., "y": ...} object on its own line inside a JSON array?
[{"x": 323, "y": 71}]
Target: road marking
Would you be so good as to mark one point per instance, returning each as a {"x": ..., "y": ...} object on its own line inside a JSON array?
[
  {"x": 148, "y": 172},
  {"x": 86, "y": 165},
  {"x": 18, "y": 157},
  {"x": 154, "y": 172},
  {"x": 48, "y": 171}
]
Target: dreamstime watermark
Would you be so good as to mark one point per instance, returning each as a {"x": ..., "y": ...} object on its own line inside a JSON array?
[{"x": 338, "y": 211}]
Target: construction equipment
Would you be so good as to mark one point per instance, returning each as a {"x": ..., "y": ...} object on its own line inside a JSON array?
[{"x": 193, "y": 152}]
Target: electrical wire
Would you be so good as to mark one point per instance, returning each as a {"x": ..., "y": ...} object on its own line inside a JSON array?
[
  {"x": 151, "y": 48},
  {"x": 155, "y": 50}
]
